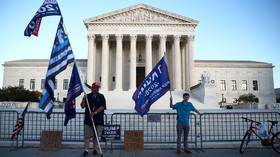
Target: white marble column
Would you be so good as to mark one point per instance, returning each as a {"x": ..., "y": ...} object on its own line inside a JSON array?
[
  {"x": 132, "y": 77},
  {"x": 119, "y": 52},
  {"x": 148, "y": 67},
  {"x": 91, "y": 63},
  {"x": 187, "y": 79},
  {"x": 162, "y": 45},
  {"x": 177, "y": 66},
  {"x": 105, "y": 62},
  {"x": 183, "y": 65},
  {"x": 190, "y": 60}
]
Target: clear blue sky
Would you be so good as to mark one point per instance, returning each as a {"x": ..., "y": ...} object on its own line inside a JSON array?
[{"x": 228, "y": 29}]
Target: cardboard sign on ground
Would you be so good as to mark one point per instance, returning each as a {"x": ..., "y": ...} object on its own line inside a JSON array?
[
  {"x": 134, "y": 140},
  {"x": 51, "y": 140}
]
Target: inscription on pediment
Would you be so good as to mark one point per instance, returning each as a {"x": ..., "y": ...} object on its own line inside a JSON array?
[{"x": 140, "y": 15}]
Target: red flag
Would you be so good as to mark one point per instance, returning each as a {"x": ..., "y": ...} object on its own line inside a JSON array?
[{"x": 37, "y": 27}]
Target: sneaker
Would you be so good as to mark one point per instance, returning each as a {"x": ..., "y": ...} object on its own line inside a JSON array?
[
  {"x": 94, "y": 152},
  {"x": 178, "y": 151},
  {"x": 85, "y": 153},
  {"x": 188, "y": 151}
]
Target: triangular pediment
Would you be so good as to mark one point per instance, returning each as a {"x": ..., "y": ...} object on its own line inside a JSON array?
[{"x": 140, "y": 13}]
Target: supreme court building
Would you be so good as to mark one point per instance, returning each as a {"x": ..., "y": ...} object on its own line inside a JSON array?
[{"x": 123, "y": 47}]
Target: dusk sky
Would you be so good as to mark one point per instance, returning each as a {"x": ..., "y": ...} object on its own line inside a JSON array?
[{"x": 227, "y": 29}]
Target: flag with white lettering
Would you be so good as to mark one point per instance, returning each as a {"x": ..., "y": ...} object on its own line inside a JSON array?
[
  {"x": 48, "y": 8},
  {"x": 61, "y": 56},
  {"x": 75, "y": 89},
  {"x": 19, "y": 124},
  {"x": 155, "y": 85}
]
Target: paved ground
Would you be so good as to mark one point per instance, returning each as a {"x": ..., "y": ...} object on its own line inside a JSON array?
[{"x": 35, "y": 152}]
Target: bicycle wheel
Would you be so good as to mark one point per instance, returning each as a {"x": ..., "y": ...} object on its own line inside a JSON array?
[
  {"x": 245, "y": 142},
  {"x": 276, "y": 142}
]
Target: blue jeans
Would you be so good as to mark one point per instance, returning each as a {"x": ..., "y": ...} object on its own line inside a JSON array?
[{"x": 180, "y": 128}]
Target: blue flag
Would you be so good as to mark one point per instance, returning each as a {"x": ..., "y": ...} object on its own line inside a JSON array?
[
  {"x": 155, "y": 85},
  {"x": 48, "y": 8},
  {"x": 61, "y": 56},
  {"x": 75, "y": 89}
]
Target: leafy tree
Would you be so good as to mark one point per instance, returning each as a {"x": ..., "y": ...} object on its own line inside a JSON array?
[
  {"x": 19, "y": 94},
  {"x": 248, "y": 98}
]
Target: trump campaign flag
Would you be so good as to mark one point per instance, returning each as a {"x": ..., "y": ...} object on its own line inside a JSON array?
[
  {"x": 61, "y": 56},
  {"x": 75, "y": 89},
  {"x": 155, "y": 85},
  {"x": 19, "y": 124},
  {"x": 48, "y": 8}
]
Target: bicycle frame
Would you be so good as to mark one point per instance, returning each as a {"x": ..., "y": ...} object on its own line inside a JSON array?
[
  {"x": 271, "y": 140},
  {"x": 252, "y": 129}
]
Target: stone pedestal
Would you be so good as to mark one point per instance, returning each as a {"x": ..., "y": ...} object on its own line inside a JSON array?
[{"x": 206, "y": 94}]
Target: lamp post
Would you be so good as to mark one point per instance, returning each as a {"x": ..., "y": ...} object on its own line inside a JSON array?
[
  {"x": 140, "y": 58},
  {"x": 57, "y": 99}
]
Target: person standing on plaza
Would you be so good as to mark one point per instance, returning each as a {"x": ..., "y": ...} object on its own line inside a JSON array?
[
  {"x": 97, "y": 104},
  {"x": 183, "y": 113}
]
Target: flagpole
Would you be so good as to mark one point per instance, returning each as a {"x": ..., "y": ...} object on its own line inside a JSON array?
[
  {"x": 170, "y": 82},
  {"x": 96, "y": 136}
]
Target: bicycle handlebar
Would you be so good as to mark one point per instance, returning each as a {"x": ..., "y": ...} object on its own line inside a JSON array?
[{"x": 250, "y": 120}]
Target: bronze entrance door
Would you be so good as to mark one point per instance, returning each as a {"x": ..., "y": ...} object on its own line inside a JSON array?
[{"x": 140, "y": 75}]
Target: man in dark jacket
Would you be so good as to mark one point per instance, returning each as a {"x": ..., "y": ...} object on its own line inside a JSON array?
[{"x": 97, "y": 104}]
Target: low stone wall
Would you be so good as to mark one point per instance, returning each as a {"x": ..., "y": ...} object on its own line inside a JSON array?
[
  {"x": 13, "y": 104},
  {"x": 251, "y": 106},
  {"x": 269, "y": 106}
]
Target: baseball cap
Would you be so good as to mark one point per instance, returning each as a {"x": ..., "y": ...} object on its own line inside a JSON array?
[{"x": 95, "y": 85}]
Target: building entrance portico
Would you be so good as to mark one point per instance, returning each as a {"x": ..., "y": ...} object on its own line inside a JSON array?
[{"x": 138, "y": 36}]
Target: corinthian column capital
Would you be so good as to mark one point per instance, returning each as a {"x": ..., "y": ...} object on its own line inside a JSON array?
[
  {"x": 163, "y": 36},
  {"x": 149, "y": 36},
  {"x": 133, "y": 36},
  {"x": 119, "y": 36},
  {"x": 177, "y": 37},
  {"x": 190, "y": 37},
  {"x": 91, "y": 37},
  {"x": 105, "y": 36}
]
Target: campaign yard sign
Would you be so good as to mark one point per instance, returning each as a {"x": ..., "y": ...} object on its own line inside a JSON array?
[{"x": 111, "y": 133}]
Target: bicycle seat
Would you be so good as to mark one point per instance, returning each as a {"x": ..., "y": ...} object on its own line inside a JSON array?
[{"x": 273, "y": 122}]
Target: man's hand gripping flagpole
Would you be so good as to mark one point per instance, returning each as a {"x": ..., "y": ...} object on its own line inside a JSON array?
[{"x": 171, "y": 99}]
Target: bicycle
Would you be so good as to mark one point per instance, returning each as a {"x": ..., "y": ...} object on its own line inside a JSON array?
[{"x": 274, "y": 142}]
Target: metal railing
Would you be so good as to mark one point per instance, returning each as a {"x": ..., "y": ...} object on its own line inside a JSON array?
[
  {"x": 8, "y": 119},
  {"x": 230, "y": 127},
  {"x": 36, "y": 121},
  {"x": 216, "y": 126},
  {"x": 73, "y": 132},
  {"x": 160, "y": 131}
]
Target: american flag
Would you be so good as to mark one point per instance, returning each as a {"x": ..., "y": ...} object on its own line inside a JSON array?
[
  {"x": 19, "y": 124},
  {"x": 61, "y": 56}
]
